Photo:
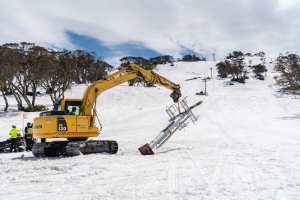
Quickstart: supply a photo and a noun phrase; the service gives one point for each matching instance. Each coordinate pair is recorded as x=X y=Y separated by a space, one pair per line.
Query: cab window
x=72 y=108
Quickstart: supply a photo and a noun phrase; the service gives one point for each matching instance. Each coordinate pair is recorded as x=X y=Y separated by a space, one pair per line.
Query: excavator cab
x=65 y=121
x=65 y=107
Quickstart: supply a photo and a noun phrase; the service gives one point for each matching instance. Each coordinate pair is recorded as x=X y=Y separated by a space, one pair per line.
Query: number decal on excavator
x=61 y=124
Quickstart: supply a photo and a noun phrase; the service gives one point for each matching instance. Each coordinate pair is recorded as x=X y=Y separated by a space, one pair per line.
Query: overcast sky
x=165 y=26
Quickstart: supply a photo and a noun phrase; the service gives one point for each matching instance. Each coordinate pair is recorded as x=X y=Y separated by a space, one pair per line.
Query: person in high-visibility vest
x=14 y=133
x=28 y=137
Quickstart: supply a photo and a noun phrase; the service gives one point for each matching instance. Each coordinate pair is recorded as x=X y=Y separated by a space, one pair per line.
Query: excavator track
x=67 y=148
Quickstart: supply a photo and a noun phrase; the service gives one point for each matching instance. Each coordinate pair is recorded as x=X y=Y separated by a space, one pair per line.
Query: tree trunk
x=22 y=92
x=28 y=102
x=33 y=94
x=5 y=100
x=19 y=100
x=52 y=97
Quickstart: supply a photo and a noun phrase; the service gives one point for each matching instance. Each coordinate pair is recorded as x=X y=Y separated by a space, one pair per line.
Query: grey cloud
x=163 y=25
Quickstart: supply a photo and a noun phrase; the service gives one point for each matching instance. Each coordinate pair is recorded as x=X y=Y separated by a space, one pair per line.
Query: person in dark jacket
x=28 y=137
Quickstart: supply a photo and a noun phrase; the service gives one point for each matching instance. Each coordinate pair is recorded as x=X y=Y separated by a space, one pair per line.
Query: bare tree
x=288 y=66
x=87 y=67
x=22 y=71
x=37 y=57
x=233 y=66
x=3 y=74
x=25 y=67
x=8 y=63
x=58 y=74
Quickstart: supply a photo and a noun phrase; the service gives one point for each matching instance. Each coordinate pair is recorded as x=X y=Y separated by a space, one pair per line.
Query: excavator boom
x=125 y=74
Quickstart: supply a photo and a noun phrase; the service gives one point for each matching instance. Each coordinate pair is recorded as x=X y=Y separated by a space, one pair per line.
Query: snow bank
x=246 y=145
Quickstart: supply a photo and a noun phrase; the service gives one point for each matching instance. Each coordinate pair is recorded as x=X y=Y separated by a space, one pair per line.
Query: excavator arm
x=158 y=80
x=126 y=73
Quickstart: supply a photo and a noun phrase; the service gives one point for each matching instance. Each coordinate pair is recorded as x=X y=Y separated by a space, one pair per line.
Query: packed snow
x=245 y=145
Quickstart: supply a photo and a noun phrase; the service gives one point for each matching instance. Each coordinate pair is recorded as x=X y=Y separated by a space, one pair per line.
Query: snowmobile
x=5 y=145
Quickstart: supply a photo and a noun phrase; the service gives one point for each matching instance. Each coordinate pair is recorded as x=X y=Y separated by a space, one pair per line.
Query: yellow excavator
x=73 y=120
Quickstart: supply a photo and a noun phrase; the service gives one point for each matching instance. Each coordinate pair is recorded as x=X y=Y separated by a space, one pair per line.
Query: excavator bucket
x=179 y=115
x=146 y=150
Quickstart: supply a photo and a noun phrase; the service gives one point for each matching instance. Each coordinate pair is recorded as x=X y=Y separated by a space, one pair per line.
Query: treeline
x=238 y=65
x=148 y=63
x=164 y=59
x=237 y=68
x=151 y=64
x=145 y=63
x=25 y=68
x=192 y=58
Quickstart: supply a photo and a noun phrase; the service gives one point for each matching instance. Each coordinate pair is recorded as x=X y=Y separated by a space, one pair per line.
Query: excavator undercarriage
x=70 y=148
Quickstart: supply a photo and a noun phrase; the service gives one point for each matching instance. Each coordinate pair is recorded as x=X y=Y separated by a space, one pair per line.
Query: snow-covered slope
x=246 y=145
